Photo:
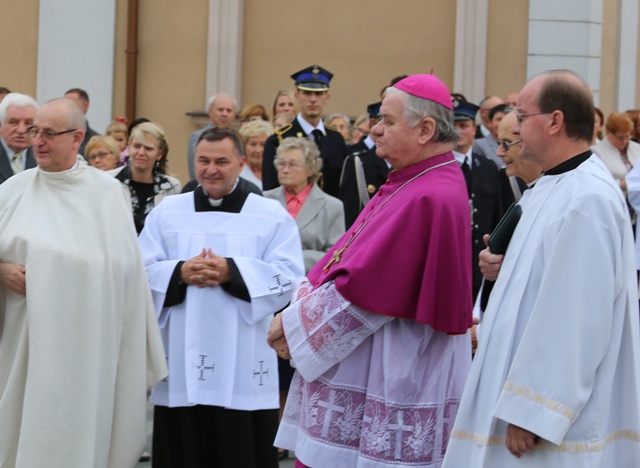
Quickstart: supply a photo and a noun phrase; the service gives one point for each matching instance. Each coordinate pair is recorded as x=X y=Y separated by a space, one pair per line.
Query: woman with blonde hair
x=285 y=101
x=102 y=153
x=254 y=135
x=145 y=180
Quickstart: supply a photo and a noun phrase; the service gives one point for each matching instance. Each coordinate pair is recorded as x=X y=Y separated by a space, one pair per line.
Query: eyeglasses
x=292 y=165
x=507 y=144
x=520 y=117
x=48 y=134
x=100 y=155
x=622 y=138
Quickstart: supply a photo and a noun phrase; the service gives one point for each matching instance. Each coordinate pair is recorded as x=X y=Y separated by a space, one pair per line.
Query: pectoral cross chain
x=335 y=259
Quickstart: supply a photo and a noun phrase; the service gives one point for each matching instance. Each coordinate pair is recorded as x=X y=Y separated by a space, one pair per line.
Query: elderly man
x=516 y=174
x=377 y=330
x=221 y=261
x=312 y=95
x=80 y=345
x=555 y=381
x=222 y=109
x=363 y=172
x=488 y=146
x=81 y=98
x=488 y=103
x=17 y=112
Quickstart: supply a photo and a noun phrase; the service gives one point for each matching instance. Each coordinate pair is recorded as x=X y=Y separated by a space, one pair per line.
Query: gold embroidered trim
x=540 y=400
x=572 y=447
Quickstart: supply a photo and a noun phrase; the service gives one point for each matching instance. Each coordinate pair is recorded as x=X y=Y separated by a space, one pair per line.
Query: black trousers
x=211 y=436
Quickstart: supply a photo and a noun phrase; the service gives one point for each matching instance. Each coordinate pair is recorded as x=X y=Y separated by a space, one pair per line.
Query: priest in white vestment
x=221 y=261
x=556 y=378
x=79 y=345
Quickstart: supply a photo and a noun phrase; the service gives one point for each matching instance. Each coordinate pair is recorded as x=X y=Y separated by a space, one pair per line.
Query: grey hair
x=213 y=98
x=16 y=100
x=360 y=119
x=310 y=155
x=337 y=115
x=255 y=128
x=416 y=109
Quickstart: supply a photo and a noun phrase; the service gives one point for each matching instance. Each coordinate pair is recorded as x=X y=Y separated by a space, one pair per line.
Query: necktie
x=466 y=170
x=317 y=137
x=16 y=162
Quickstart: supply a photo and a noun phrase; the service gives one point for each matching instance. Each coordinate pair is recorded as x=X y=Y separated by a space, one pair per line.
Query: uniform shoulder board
x=282 y=130
x=330 y=127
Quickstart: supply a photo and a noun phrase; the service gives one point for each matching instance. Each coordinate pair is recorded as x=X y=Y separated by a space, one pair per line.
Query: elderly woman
x=320 y=217
x=254 y=134
x=341 y=124
x=102 y=153
x=360 y=129
x=144 y=180
x=617 y=150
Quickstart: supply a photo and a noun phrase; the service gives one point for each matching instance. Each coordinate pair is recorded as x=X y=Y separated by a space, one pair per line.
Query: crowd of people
x=432 y=283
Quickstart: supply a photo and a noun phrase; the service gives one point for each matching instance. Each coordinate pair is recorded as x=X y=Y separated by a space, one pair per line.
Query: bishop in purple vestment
x=377 y=331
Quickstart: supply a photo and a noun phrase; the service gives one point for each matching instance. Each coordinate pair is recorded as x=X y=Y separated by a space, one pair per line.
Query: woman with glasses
x=102 y=153
x=145 y=180
x=616 y=150
x=320 y=217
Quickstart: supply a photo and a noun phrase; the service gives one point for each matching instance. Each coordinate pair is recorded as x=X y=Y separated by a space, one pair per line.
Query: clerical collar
x=569 y=164
x=308 y=128
x=231 y=203
x=533 y=182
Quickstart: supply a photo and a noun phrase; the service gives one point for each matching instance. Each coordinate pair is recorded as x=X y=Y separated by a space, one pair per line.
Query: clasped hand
x=205 y=269
x=13 y=277
x=276 y=338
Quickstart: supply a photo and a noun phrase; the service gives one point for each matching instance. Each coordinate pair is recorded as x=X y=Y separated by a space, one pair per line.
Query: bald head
x=60 y=124
x=556 y=118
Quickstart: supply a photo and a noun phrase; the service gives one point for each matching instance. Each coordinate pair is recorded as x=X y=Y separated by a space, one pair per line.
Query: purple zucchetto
x=427 y=87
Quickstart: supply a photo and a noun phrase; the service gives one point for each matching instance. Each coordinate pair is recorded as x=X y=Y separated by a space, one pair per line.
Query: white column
x=224 y=54
x=566 y=34
x=628 y=56
x=76 y=50
x=469 y=77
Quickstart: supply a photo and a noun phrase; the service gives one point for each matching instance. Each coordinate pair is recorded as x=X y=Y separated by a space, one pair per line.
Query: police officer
x=483 y=185
x=312 y=95
x=363 y=173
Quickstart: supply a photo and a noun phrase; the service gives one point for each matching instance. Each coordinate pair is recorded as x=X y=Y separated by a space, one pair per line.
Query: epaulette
x=331 y=127
x=282 y=130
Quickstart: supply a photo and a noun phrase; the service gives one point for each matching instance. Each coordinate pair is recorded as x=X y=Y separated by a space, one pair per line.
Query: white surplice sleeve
x=322 y=328
x=569 y=331
x=271 y=277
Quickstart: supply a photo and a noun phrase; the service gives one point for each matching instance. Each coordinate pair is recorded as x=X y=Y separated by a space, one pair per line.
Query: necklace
x=337 y=254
